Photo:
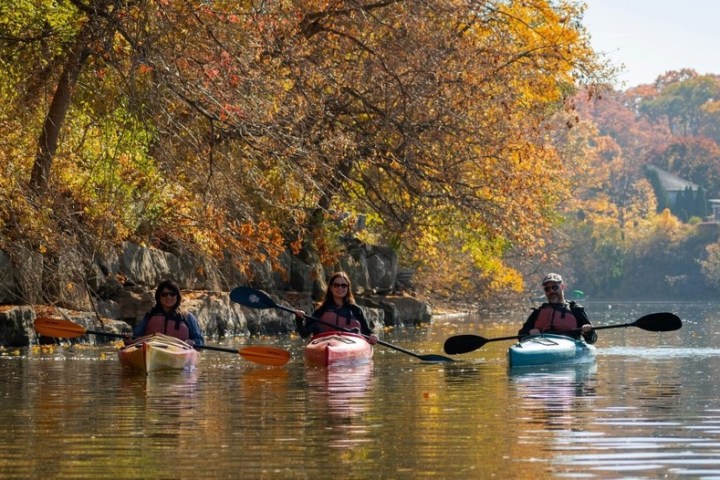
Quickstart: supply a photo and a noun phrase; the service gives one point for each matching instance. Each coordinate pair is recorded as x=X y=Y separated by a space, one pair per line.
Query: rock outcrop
x=115 y=289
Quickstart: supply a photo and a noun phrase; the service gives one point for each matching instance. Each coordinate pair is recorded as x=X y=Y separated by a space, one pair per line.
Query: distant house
x=715 y=205
x=684 y=198
x=672 y=184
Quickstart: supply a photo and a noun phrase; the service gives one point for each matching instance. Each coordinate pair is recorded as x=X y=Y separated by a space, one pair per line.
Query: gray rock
x=119 y=288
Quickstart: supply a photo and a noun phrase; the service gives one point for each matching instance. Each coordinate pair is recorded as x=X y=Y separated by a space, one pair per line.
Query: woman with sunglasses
x=167 y=317
x=337 y=308
x=557 y=315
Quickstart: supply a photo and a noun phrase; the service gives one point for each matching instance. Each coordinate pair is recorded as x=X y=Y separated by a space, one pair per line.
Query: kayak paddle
x=265 y=355
x=253 y=298
x=653 y=322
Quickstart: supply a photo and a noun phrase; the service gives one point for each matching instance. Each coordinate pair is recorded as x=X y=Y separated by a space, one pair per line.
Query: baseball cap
x=552 y=277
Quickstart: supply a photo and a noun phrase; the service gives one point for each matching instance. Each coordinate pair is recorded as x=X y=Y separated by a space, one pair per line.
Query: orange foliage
x=260 y=125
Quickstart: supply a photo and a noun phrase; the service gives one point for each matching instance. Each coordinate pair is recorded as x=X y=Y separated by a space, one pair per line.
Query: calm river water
x=648 y=409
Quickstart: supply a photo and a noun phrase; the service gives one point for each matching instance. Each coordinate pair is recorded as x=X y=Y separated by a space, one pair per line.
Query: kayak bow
x=548 y=349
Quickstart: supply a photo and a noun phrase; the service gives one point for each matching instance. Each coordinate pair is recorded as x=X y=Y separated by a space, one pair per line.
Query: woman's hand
x=534 y=331
x=299 y=314
x=587 y=328
x=372 y=339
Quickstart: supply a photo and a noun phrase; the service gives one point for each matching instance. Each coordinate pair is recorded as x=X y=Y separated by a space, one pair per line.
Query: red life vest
x=333 y=317
x=551 y=320
x=174 y=326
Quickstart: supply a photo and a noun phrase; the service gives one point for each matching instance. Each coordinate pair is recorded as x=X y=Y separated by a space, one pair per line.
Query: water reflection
x=649 y=408
x=661 y=395
x=343 y=390
x=338 y=401
x=259 y=381
x=552 y=396
x=661 y=353
x=159 y=408
x=459 y=373
x=644 y=427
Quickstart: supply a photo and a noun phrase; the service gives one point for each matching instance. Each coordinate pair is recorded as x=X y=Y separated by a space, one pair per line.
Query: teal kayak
x=548 y=349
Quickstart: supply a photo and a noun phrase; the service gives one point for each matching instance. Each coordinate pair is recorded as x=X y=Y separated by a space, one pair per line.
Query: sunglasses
x=168 y=294
x=340 y=285
x=551 y=288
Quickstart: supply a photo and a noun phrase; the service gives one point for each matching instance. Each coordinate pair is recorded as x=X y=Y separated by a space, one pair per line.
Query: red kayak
x=338 y=348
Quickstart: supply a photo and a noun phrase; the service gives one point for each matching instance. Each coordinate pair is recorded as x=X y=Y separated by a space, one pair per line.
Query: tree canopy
x=256 y=127
x=624 y=230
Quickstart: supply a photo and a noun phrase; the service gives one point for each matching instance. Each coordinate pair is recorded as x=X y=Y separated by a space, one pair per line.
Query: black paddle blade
x=463 y=344
x=658 y=322
x=251 y=297
x=432 y=358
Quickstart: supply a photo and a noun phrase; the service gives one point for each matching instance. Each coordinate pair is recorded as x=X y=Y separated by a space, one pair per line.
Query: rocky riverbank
x=111 y=292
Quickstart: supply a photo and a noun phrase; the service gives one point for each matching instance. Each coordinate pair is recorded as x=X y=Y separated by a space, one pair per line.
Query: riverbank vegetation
x=479 y=140
x=625 y=233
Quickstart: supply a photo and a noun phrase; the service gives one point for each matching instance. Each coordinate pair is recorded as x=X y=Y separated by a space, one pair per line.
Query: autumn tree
x=615 y=114
x=442 y=110
x=682 y=103
x=612 y=202
x=130 y=136
x=694 y=158
x=711 y=265
x=252 y=127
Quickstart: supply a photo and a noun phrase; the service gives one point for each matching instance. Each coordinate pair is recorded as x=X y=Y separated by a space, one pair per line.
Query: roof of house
x=671 y=182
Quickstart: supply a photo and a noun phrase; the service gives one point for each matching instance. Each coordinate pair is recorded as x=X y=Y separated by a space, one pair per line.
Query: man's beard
x=554 y=298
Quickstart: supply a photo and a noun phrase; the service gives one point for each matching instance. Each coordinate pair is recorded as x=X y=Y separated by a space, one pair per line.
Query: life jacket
x=551 y=319
x=342 y=317
x=170 y=324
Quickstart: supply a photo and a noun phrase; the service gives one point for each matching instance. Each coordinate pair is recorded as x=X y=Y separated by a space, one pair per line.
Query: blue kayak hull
x=550 y=349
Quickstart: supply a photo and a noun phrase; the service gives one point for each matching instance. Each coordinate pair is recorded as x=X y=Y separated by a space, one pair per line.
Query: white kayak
x=156 y=352
x=548 y=349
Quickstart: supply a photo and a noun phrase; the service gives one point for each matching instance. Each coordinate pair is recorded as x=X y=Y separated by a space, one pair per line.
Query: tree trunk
x=331 y=188
x=317 y=217
x=48 y=140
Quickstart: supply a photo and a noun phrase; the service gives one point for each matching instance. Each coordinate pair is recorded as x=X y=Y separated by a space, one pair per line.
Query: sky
x=650 y=37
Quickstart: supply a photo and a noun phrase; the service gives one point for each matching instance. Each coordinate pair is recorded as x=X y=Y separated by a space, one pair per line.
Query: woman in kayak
x=557 y=315
x=167 y=317
x=338 y=308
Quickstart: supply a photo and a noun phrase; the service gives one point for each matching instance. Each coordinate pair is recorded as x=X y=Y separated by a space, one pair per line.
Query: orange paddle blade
x=265 y=355
x=52 y=327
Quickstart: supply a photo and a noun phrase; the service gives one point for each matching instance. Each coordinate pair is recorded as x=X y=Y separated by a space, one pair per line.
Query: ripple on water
x=662 y=353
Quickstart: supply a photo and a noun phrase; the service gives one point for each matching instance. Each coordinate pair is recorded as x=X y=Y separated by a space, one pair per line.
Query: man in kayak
x=558 y=315
x=338 y=308
x=167 y=317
